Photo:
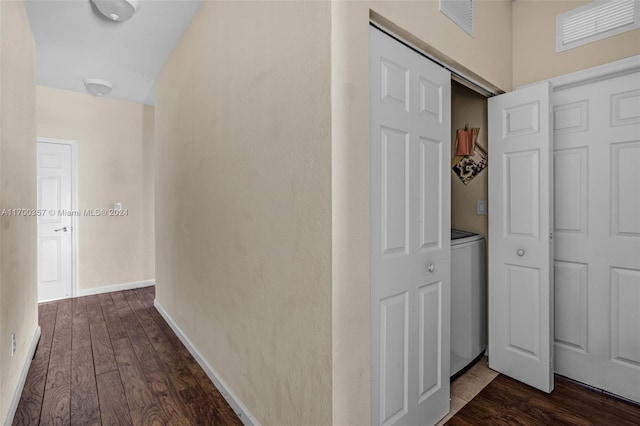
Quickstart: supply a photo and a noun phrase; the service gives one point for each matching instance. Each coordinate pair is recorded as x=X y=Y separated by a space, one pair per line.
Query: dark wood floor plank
x=168 y=397
x=114 y=409
x=111 y=317
x=30 y=405
x=151 y=415
x=103 y=354
x=61 y=343
x=87 y=368
x=94 y=310
x=506 y=401
x=203 y=414
x=139 y=308
x=136 y=389
x=28 y=411
x=574 y=397
x=85 y=408
x=189 y=375
x=209 y=409
x=80 y=335
x=146 y=295
x=175 y=360
x=137 y=336
x=173 y=355
x=119 y=300
x=164 y=326
x=56 y=403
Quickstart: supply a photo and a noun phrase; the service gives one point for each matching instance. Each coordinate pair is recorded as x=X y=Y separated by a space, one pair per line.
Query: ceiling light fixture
x=117 y=10
x=98 y=87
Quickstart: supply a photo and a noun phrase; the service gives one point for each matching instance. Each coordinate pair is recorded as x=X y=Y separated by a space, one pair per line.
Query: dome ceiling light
x=117 y=10
x=98 y=87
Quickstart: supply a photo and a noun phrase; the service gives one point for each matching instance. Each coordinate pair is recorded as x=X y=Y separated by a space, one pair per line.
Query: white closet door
x=597 y=244
x=520 y=248
x=410 y=102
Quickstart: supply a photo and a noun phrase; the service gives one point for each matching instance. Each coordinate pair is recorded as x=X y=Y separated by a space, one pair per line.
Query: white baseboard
x=240 y=409
x=23 y=378
x=115 y=287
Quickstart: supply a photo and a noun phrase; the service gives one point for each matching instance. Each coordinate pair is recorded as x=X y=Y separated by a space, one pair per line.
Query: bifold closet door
x=410 y=103
x=597 y=234
x=520 y=245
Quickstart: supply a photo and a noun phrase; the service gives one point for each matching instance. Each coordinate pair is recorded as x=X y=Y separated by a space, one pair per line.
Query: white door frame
x=589 y=75
x=75 y=289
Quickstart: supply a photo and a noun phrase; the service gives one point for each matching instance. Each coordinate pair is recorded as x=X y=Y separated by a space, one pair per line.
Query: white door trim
x=589 y=75
x=467 y=78
x=75 y=286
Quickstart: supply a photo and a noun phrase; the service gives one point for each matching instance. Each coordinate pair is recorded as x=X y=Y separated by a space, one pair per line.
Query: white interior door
x=597 y=234
x=410 y=102
x=520 y=224
x=54 y=227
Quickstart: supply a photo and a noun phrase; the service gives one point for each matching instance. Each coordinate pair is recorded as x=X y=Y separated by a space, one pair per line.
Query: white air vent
x=460 y=12
x=595 y=21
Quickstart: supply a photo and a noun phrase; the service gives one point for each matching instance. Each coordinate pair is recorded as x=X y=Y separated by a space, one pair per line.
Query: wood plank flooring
x=508 y=402
x=111 y=359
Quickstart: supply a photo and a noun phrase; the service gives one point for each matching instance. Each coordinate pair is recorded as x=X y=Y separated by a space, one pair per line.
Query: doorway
x=57 y=218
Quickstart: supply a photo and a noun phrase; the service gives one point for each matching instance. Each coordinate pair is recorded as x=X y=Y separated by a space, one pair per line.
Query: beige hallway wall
x=18 y=291
x=534 y=43
x=115 y=144
x=243 y=206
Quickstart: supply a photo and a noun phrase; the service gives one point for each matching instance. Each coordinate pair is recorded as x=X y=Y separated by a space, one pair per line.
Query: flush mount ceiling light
x=98 y=87
x=117 y=10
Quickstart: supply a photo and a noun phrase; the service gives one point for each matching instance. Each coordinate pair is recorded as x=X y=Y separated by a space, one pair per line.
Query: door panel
x=430 y=344
x=625 y=316
x=54 y=226
x=430 y=185
x=395 y=182
x=520 y=200
x=523 y=319
x=571 y=311
x=597 y=235
x=625 y=192
x=570 y=194
x=522 y=194
x=410 y=238
x=394 y=352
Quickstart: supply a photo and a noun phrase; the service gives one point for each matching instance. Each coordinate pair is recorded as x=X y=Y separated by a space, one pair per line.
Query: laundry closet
x=562 y=219
x=469 y=227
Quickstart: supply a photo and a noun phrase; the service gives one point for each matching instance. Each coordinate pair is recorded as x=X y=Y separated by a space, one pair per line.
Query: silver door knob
x=63 y=229
x=520 y=252
x=431 y=268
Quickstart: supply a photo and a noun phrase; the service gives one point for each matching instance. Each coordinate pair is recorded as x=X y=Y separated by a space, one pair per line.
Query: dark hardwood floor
x=111 y=359
x=508 y=402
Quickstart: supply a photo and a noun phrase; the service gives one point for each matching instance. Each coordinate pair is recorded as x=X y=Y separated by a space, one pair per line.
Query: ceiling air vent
x=595 y=21
x=460 y=12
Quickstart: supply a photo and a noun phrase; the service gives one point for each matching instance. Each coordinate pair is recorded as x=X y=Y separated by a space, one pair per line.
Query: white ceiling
x=74 y=42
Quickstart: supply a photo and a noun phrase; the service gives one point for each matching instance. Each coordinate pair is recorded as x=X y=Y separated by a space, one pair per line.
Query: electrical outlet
x=13 y=343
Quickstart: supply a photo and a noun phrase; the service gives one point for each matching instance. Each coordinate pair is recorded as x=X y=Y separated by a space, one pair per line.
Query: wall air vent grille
x=595 y=21
x=461 y=12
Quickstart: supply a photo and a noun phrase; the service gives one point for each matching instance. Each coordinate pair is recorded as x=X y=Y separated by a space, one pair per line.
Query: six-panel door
x=410 y=234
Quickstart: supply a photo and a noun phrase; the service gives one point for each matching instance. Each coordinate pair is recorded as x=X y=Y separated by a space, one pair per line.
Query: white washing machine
x=468 y=299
